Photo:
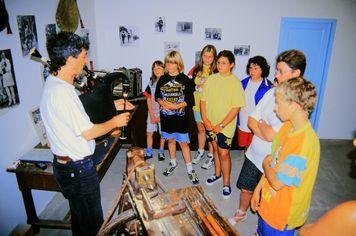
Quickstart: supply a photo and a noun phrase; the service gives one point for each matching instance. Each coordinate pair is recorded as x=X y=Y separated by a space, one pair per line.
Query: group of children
x=281 y=148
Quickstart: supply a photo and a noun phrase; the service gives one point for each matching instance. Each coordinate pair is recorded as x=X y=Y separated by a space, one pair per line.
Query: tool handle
x=205 y=221
x=215 y=225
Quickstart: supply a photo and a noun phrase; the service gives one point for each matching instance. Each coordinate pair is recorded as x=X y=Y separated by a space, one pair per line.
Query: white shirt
x=65 y=119
x=264 y=110
x=245 y=111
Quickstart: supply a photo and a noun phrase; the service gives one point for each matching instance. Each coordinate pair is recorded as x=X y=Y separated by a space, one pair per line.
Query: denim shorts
x=179 y=137
x=197 y=116
x=153 y=127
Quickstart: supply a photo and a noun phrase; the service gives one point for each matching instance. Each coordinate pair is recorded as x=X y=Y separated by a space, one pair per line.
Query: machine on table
x=144 y=210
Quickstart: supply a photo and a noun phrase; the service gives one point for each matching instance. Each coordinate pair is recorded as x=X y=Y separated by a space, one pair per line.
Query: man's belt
x=62 y=159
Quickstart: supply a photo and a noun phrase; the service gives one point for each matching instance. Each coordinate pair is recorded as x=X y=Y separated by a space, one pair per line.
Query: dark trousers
x=79 y=183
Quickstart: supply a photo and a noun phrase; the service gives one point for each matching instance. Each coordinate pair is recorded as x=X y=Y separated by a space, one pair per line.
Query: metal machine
x=144 y=207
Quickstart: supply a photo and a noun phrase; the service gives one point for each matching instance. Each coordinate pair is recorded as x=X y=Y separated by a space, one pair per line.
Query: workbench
x=31 y=177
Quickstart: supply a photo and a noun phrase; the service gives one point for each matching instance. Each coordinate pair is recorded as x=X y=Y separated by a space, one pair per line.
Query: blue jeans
x=79 y=183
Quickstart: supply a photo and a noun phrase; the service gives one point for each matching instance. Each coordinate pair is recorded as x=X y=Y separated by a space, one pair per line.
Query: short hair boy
x=290 y=171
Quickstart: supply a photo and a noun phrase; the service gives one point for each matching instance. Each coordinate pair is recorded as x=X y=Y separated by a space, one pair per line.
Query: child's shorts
x=179 y=137
x=244 y=138
x=153 y=127
x=266 y=230
x=197 y=116
x=249 y=176
x=222 y=141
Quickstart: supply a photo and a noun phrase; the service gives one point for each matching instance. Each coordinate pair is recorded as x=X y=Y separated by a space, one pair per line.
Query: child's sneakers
x=208 y=163
x=148 y=157
x=161 y=156
x=193 y=177
x=212 y=180
x=169 y=170
x=238 y=217
x=226 y=192
x=198 y=156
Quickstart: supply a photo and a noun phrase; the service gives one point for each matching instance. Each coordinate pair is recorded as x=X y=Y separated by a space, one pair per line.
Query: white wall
x=243 y=22
x=17 y=135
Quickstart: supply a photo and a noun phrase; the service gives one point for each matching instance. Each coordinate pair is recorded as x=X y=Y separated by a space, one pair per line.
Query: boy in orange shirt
x=282 y=197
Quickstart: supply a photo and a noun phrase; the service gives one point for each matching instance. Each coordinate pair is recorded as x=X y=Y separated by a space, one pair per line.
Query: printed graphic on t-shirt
x=173 y=92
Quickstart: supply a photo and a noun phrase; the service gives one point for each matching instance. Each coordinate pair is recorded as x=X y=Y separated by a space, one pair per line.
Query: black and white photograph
x=84 y=33
x=171 y=46
x=197 y=57
x=35 y=116
x=184 y=27
x=160 y=24
x=8 y=89
x=50 y=29
x=27 y=32
x=45 y=73
x=128 y=36
x=213 y=33
x=242 y=50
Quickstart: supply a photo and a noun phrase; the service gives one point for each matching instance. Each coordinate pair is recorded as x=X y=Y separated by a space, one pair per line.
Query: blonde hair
x=175 y=57
x=299 y=90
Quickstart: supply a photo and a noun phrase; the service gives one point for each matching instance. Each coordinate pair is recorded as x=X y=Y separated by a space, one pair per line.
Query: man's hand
x=122 y=119
x=119 y=105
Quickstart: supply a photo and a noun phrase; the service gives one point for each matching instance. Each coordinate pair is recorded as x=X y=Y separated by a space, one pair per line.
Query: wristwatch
x=221 y=125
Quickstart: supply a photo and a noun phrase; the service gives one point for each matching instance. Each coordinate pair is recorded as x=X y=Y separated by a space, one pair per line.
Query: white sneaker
x=198 y=156
x=208 y=163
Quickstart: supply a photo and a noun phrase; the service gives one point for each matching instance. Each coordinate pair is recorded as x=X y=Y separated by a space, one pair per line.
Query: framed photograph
x=242 y=50
x=50 y=29
x=45 y=73
x=28 y=33
x=8 y=89
x=84 y=33
x=213 y=33
x=184 y=27
x=129 y=36
x=35 y=116
x=171 y=46
x=160 y=24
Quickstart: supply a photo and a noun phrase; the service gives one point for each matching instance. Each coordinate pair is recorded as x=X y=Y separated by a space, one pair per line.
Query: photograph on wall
x=129 y=36
x=213 y=33
x=160 y=24
x=27 y=32
x=197 y=57
x=51 y=29
x=8 y=89
x=35 y=116
x=184 y=27
x=171 y=46
x=84 y=33
x=45 y=73
x=242 y=50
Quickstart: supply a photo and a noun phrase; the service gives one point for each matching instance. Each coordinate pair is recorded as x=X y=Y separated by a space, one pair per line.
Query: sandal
x=238 y=217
